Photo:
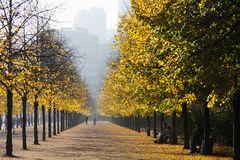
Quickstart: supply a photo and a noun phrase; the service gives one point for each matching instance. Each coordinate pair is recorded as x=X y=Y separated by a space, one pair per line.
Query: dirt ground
x=105 y=141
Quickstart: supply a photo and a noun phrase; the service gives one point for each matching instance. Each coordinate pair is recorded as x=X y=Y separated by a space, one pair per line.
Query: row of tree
x=37 y=68
x=173 y=54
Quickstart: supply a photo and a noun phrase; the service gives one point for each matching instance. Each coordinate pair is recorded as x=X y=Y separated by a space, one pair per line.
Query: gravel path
x=105 y=141
x=86 y=142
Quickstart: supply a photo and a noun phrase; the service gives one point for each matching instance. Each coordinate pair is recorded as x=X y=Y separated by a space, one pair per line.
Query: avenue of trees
x=175 y=57
x=37 y=70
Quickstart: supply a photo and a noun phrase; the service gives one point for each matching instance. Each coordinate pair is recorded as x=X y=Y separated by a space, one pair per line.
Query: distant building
x=94 y=20
x=90 y=39
x=92 y=66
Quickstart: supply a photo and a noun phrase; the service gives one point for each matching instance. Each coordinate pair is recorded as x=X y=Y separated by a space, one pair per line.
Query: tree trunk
x=63 y=120
x=162 y=122
x=0 y=122
x=69 y=120
x=185 y=125
x=72 y=123
x=155 y=124
x=236 y=126
x=58 y=131
x=148 y=126
x=49 y=123
x=9 y=145
x=66 y=118
x=138 y=124
x=36 y=122
x=129 y=122
x=133 y=123
x=174 y=135
x=54 y=121
x=24 y=122
x=43 y=123
x=206 y=146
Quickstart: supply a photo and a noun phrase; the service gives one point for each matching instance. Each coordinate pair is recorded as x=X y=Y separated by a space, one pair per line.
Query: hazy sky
x=71 y=7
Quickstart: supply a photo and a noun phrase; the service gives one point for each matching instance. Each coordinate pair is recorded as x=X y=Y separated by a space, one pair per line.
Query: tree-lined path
x=105 y=141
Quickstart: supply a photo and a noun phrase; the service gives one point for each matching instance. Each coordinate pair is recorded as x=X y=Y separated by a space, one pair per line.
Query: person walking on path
x=86 y=120
x=94 y=121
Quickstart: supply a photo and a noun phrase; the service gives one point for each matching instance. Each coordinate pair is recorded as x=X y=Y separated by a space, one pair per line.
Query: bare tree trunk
x=70 y=119
x=138 y=124
x=206 y=146
x=63 y=116
x=135 y=123
x=161 y=122
x=155 y=124
x=49 y=123
x=9 y=145
x=36 y=122
x=236 y=126
x=185 y=125
x=66 y=118
x=24 y=122
x=73 y=120
x=148 y=126
x=54 y=121
x=0 y=122
x=58 y=131
x=61 y=120
x=174 y=135
x=43 y=123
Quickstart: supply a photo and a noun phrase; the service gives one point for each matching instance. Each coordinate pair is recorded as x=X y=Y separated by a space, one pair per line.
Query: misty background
x=88 y=26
